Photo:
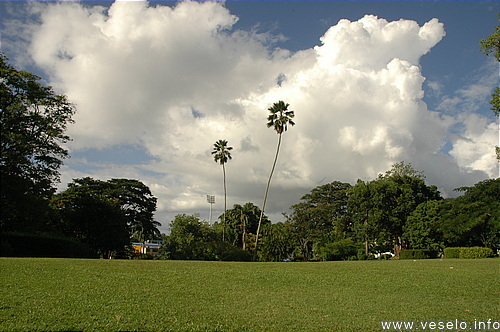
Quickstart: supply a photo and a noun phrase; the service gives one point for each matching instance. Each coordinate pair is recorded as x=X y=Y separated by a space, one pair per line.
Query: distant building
x=150 y=247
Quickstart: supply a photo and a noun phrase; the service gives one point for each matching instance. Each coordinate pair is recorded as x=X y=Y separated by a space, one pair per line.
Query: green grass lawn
x=111 y=295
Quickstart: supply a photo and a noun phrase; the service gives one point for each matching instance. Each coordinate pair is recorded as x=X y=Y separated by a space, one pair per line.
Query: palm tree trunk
x=225 y=205
x=244 y=236
x=265 y=199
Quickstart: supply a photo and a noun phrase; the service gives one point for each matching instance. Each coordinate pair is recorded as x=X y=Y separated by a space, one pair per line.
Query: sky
x=372 y=83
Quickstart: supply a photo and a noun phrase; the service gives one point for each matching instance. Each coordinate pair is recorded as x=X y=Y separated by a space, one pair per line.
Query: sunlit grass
x=111 y=295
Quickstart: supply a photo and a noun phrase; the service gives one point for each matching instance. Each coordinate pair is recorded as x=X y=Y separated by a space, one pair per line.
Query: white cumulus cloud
x=173 y=80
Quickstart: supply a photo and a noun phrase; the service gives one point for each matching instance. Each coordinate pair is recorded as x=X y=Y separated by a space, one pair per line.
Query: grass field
x=112 y=295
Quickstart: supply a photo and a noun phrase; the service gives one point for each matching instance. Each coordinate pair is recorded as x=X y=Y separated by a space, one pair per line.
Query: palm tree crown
x=280 y=117
x=221 y=152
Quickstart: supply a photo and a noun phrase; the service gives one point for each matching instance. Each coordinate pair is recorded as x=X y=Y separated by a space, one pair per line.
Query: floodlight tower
x=210 y=200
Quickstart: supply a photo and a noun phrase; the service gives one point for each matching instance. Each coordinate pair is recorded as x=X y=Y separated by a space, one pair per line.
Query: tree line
x=335 y=221
x=340 y=221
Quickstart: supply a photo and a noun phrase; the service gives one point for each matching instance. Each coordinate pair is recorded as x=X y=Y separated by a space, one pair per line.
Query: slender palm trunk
x=244 y=236
x=265 y=199
x=225 y=205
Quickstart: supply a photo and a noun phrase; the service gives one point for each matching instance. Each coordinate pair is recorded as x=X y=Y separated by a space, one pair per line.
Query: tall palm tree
x=279 y=118
x=222 y=155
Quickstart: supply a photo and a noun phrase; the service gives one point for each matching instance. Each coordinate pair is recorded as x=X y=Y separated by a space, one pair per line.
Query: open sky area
x=372 y=83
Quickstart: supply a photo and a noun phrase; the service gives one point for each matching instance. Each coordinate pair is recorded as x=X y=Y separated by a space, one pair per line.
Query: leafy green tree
x=491 y=44
x=189 y=239
x=135 y=199
x=139 y=205
x=93 y=219
x=279 y=118
x=473 y=219
x=222 y=154
x=33 y=121
x=369 y=208
x=361 y=208
x=131 y=200
x=390 y=200
x=329 y=204
x=423 y=228
x=404 y=193
x=321 y=217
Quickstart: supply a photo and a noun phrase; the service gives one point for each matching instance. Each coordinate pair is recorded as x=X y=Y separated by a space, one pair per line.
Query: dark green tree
x=390 y=200
x=361 y=209
x=423 y=229
x=139 y=206
x=222 y=155
x=321 y=217
x=189 y=239
x=33 y=121
x=279 y=118
x=134 y=201
x=403 y=194
x=491 y=44
x=473 y=219
x=93 y=219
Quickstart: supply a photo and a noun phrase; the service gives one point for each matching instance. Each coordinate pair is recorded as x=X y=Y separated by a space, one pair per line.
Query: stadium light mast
x=210 y=200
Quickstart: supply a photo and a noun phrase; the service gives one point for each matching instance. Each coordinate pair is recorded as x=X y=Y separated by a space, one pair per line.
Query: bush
x=476 y=252
x=468 y=252
x=233 y=254
x=340 y=250
x=417 y=254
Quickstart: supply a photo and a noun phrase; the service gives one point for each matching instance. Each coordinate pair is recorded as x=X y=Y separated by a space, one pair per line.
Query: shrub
x=476 y=252
x=340 y=250
x=234 y=254
x=452 y=252
x=223 y=251
x=417 y=254
x=468 y=252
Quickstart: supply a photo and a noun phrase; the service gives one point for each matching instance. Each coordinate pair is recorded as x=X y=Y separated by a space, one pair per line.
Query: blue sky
x=452 y=62
x=156 y=84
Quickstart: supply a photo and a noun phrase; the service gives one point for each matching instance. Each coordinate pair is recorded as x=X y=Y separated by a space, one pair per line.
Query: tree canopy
x=106 y=215
x=381 y=207
x=33 y=121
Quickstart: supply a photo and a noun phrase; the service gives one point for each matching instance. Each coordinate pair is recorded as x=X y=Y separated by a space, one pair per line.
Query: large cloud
x=173 y=80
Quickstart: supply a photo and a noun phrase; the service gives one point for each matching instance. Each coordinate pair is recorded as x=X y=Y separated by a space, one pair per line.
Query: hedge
x=452 y=252
x=41 y=245
x=468 y=252
x=417 y=254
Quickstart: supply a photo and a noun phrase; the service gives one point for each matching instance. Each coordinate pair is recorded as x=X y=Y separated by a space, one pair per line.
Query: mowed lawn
x=113 y=295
